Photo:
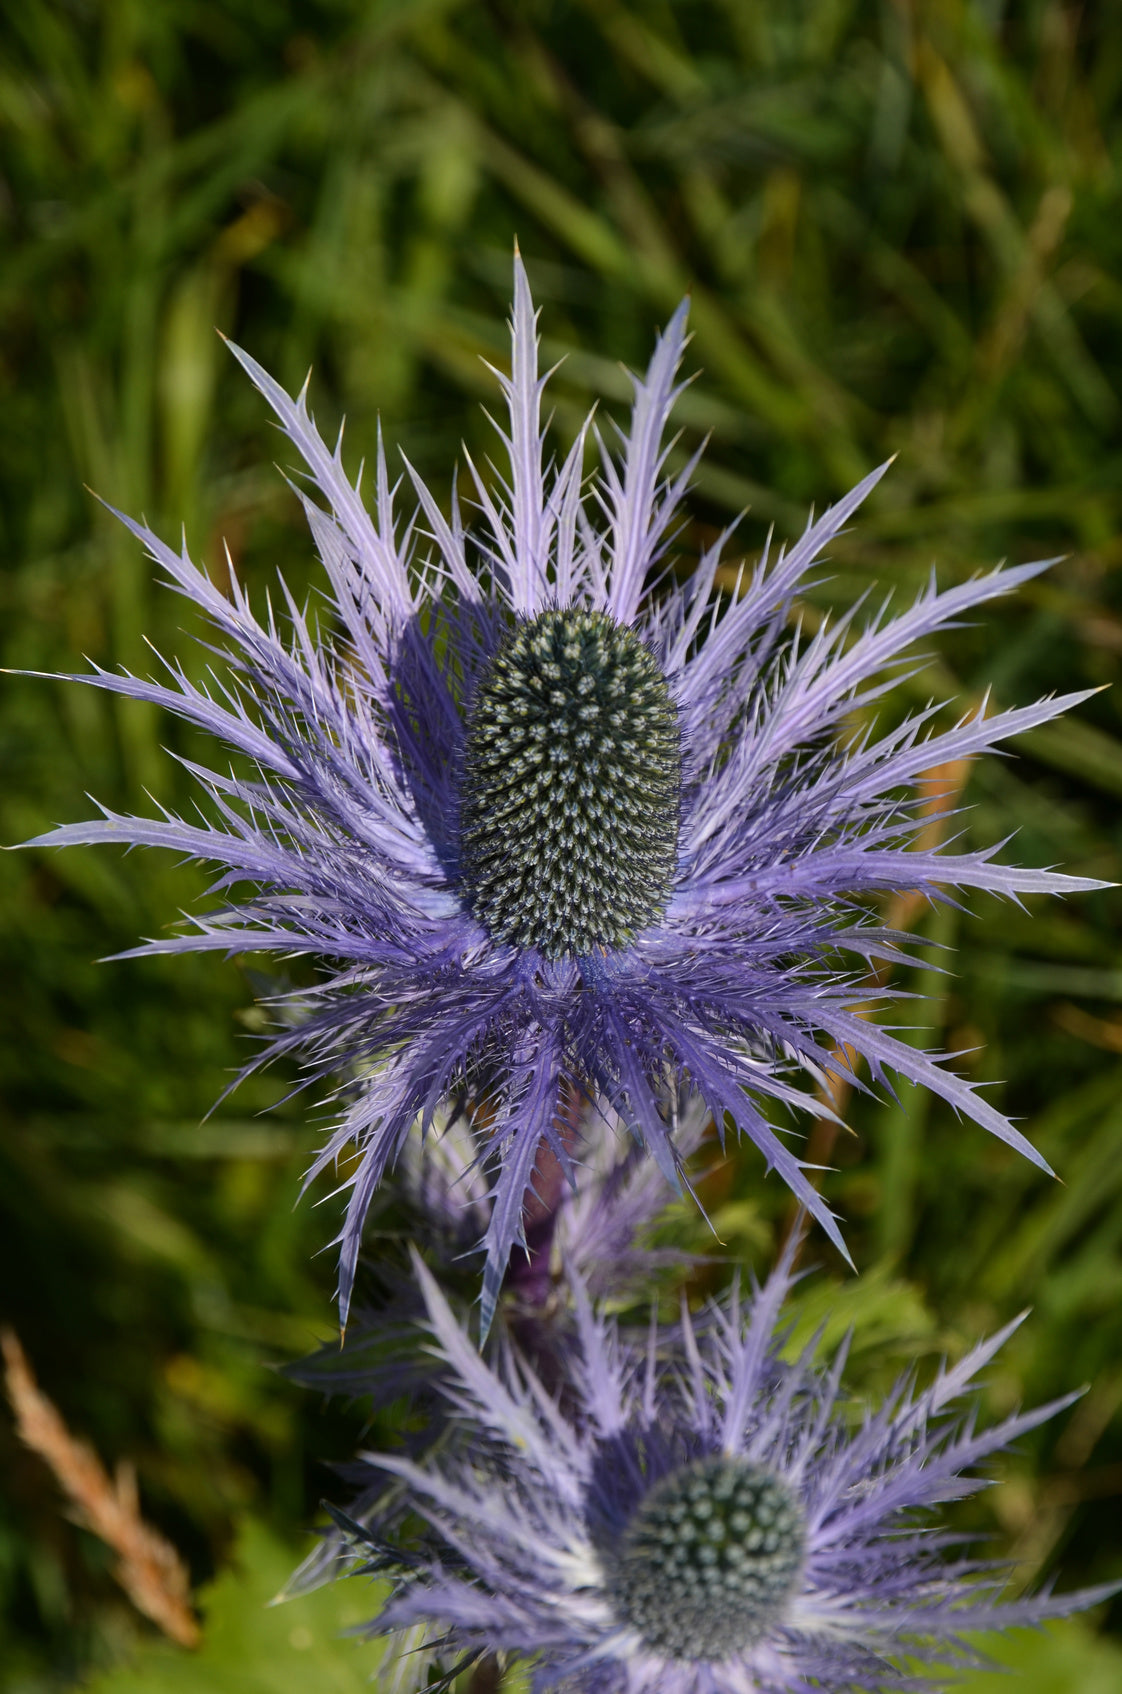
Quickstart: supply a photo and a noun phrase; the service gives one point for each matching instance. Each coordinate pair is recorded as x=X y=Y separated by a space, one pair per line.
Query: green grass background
x=901 y=227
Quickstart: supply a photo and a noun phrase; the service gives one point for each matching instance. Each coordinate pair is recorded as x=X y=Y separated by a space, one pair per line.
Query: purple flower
x=711 y=1521
x=551 y=819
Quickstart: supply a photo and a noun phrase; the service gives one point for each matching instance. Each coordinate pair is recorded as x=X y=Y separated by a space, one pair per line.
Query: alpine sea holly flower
x=550 y=823
x=709 y=1521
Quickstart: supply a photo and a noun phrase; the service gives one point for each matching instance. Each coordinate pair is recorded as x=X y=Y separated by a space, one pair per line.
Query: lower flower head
x=708 y=1561
x=699 y=1517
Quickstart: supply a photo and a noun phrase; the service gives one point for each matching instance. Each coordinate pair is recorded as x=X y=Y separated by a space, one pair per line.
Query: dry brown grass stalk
x=149 y=1569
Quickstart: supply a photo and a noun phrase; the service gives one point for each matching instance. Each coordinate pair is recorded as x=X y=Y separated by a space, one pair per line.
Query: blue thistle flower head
x=550 y=822
x=704 y=1519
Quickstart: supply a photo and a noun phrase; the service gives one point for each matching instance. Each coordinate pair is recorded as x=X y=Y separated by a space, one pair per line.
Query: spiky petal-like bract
x=705 y=1522
x=696 y=874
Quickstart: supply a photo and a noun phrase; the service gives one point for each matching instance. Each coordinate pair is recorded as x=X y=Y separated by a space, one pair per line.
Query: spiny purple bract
x=713 y=917
x=701 y=1516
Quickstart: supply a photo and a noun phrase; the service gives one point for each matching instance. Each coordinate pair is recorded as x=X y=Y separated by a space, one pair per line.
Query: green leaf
x=252 y=1645
x=1064 y=1658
